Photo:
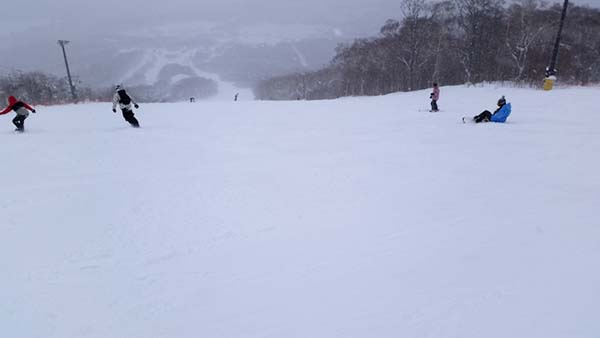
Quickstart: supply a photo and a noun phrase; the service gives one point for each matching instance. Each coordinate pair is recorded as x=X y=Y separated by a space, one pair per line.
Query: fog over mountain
x=132 y=41
x=145 y=42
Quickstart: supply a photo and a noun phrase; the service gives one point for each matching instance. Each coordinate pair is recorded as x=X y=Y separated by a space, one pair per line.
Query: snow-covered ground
x=358 y=217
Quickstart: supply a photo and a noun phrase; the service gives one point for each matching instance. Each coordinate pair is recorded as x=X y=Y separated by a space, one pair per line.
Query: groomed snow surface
x=358 y=217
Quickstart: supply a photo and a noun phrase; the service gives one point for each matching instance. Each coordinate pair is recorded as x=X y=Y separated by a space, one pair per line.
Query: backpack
x=123 y=97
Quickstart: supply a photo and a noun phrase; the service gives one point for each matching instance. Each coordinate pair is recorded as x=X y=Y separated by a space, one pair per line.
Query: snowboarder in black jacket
x=125 y=101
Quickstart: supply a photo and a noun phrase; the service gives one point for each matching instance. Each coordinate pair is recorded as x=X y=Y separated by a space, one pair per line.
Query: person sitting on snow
x=21 y=108
x=500 y=115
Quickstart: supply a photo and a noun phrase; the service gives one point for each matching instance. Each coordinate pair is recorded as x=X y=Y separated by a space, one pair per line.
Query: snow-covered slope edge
x=359 y=217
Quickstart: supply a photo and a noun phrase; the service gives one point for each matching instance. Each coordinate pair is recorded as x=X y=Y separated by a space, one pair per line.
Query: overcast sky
x=60 y=16
x=114 y=15
x=33 y=26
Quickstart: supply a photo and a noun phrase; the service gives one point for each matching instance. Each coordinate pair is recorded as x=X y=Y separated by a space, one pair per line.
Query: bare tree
x=452 y=42
x=480 y=21
x=415 y=39
x=522 y=33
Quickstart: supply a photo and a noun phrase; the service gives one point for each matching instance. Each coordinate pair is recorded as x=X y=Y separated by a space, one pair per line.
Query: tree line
x=41 y=88
x=454 y=42
x=47 y=89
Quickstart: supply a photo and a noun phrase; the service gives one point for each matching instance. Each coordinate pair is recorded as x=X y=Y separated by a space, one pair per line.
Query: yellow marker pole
x=549 y=82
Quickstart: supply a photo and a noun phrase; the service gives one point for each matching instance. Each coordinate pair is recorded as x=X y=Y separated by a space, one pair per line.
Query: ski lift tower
x=62 y=44
x=550 y=73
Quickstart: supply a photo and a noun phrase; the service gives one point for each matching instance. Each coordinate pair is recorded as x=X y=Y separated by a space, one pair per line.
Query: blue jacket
x=502 y=114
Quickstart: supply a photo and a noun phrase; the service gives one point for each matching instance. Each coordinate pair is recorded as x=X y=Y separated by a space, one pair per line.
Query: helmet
x=501 y=101
x=117 y=87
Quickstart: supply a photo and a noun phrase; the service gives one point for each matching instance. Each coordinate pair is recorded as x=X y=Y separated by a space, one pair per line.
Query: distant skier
x=124 y=100
x=235 y=98
x=21 y=108
x=435 y=96
x=500 y=115
x=192 y=99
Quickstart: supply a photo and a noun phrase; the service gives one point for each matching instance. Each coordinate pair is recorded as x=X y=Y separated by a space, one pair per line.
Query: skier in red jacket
x=21 y=108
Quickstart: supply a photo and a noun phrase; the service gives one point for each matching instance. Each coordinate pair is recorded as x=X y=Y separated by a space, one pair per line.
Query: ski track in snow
x=357 y=217
x=301 y=57
x=155 y=60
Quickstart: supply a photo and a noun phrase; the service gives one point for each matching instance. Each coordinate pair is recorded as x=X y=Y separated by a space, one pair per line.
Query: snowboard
x=468 y=119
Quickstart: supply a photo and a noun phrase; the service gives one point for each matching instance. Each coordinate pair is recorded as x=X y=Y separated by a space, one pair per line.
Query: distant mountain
x=175 y=54
x=241 y=63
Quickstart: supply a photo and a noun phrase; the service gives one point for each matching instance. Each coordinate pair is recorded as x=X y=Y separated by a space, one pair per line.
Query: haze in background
x=218 y=29
x=132 y=41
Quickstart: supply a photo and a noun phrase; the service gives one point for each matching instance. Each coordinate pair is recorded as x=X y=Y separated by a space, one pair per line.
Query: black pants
x=19 y=121
x=434 y=106
x=129 y=117
x=485 y=116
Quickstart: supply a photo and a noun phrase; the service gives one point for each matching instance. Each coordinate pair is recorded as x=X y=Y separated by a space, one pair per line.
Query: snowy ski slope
x=357 y=217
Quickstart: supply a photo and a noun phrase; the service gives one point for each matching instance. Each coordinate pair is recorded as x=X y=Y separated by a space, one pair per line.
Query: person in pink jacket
x=435 y=96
